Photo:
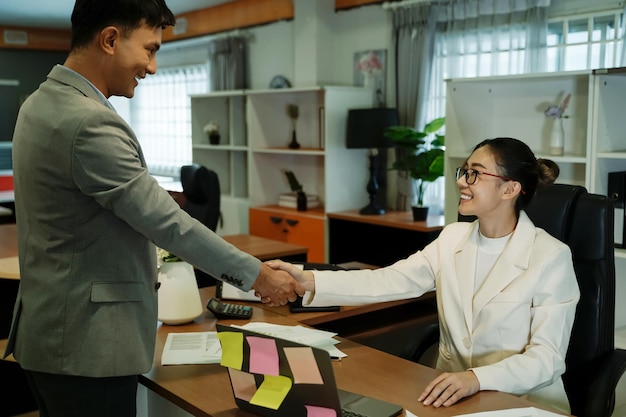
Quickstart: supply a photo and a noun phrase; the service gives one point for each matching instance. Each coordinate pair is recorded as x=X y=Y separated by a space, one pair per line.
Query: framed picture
x=370 y=69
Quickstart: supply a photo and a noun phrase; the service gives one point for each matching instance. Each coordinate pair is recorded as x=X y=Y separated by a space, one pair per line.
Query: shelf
x=287 y=151
x=221 y=148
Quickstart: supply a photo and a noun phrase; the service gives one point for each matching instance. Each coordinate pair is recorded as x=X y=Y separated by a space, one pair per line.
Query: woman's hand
x=305 y=278
x=448 y=388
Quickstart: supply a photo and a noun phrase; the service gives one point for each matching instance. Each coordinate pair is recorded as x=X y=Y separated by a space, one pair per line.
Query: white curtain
x=460 y=38
x=491 y=37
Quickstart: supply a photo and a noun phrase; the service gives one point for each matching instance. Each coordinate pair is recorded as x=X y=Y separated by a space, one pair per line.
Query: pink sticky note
x=303 y=366
x=263 y=355
x=315 y=411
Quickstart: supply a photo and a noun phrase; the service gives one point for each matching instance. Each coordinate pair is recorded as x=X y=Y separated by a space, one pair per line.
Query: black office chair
x=201 y=191
x=585 y=222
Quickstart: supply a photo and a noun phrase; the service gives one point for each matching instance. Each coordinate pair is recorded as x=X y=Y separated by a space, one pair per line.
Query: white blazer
x=513 y=332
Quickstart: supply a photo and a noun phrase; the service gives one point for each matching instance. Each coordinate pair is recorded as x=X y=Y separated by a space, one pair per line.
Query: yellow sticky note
x=272 y=391
x=232 y=349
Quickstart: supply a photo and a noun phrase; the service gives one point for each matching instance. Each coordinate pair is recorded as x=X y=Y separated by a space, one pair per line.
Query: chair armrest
x=605 y=373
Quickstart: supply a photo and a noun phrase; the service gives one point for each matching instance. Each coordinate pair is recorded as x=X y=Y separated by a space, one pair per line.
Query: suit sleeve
x=108 y=165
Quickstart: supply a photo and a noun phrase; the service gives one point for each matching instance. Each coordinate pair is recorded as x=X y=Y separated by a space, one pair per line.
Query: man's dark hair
x=89 y=17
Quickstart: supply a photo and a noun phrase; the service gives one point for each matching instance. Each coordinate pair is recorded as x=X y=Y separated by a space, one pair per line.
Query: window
x=580 y=42
x=584 y=42
x=160 y=114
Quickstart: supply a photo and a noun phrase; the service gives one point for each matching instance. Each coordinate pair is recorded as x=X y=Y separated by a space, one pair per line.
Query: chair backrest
x=201 y=188
x=584 y=222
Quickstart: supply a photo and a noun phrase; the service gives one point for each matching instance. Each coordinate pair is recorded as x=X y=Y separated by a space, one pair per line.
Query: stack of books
x=291 y=200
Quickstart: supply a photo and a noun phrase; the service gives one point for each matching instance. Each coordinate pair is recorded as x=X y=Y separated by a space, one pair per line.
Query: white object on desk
x=179 y=298
x=512 y=412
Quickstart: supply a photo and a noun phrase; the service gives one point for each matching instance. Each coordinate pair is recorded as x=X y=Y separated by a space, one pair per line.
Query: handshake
x=280 y=282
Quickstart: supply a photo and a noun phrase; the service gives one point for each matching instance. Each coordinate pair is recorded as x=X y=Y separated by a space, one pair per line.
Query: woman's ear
x=513 y=189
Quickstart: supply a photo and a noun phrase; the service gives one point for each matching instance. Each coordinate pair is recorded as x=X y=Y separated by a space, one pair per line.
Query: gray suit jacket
x=88 y=214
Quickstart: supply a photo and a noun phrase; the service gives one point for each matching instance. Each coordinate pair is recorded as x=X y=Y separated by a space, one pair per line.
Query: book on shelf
x=293 y=197
x=290 y=200
x=294 y=204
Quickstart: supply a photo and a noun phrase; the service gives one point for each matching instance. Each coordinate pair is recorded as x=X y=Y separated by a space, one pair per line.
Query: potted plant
x=212 y=129
x=422 y=160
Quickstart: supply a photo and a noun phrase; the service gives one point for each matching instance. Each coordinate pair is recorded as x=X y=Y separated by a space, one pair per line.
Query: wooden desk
x=259 y=247
x=204 y=390
x=378 y=239
x=267 y=249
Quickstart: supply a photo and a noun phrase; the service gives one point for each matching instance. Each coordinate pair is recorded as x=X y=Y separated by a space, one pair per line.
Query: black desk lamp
x=365 y=129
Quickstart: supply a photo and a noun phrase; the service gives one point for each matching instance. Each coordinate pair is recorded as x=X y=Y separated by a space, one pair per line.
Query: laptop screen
x=274 y=377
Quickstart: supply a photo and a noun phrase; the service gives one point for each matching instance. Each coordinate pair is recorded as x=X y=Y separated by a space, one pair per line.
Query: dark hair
x=515 y=160
x=91 y=16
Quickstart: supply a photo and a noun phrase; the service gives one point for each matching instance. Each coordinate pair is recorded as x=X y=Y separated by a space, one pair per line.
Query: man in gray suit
x=89 y=216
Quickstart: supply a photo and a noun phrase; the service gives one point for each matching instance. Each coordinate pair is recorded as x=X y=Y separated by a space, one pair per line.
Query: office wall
x=30 y=69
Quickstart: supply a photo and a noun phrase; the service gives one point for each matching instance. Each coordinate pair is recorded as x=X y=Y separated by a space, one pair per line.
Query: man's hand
x=276 y=287
x=306 y=278
x=448 y=388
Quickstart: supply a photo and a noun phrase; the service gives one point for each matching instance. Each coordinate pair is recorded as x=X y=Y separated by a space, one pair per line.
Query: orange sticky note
x=303 y=366
x=272 y=392
x=263 y=355
x=232 y=349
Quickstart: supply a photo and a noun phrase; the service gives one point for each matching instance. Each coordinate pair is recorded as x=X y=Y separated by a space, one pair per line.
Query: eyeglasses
x=471 y=175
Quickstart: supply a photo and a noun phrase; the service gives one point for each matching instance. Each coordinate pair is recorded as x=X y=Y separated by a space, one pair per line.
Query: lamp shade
x=365 y=127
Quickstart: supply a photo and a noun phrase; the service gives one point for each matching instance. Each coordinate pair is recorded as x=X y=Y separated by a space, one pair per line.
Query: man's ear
x=108 y=36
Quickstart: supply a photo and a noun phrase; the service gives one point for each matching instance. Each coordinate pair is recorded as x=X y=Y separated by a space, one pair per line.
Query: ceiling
x=56 y=13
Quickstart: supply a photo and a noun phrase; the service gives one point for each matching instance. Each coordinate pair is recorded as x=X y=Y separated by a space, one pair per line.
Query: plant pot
x=419 y=213
x=214 y=139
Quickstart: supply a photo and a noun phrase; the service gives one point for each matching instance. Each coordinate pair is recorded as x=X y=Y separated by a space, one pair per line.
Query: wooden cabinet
x=291 y=226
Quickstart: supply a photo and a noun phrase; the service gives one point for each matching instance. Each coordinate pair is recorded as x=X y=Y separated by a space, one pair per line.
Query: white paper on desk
x=191 y=348
x=299 y=334
x=512 y=412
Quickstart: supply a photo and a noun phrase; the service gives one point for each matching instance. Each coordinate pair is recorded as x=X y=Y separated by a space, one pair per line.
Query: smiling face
x=132 y=57
x=489 y=196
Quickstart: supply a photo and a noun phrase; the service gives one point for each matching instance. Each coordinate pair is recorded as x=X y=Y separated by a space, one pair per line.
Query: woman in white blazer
x=506 y=290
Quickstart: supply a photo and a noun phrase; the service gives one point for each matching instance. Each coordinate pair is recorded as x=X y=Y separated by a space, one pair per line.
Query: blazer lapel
x=512 y=262
x=465 y=265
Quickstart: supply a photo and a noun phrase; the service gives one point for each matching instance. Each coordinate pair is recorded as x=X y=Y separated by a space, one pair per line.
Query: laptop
x=273 y=377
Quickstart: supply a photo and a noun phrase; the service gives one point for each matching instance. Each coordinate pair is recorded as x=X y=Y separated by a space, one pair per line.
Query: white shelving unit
x=322 y=158
x=482 y=108
x=253 y=155
x=513 y=106
x=229 y=159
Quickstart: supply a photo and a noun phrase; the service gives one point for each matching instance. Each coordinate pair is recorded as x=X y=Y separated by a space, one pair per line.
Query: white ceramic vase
x=557 y=138
x=179 y=297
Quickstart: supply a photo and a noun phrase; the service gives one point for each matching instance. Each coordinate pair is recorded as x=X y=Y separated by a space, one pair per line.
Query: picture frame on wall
x=370 y=70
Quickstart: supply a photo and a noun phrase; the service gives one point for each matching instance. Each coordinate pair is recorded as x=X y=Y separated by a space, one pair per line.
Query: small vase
x=557 y=138
x=294 y=142
x=178 y=294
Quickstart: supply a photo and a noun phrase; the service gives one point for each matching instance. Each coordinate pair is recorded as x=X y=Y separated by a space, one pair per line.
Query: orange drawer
x=291 y=226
